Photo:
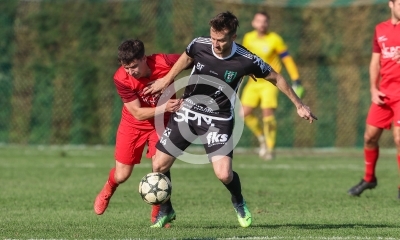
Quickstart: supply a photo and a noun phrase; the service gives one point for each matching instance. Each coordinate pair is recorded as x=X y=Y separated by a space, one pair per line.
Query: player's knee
x=156 y=167
x=121 y=177
x=224 y=176
x=370 y=139
x=122 y=174
x=162 y=162
x=159 y=166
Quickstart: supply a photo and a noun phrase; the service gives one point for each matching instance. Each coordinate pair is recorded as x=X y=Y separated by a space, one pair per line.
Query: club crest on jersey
x=229 y=76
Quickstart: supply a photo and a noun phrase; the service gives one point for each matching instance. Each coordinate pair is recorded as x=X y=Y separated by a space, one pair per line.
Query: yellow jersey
x=270 y=48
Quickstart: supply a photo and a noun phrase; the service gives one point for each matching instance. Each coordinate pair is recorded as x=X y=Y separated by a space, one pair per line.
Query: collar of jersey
x=230 y=55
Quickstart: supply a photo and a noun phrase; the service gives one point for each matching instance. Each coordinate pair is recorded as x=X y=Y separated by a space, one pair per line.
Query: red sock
x=370 y=157
x=111 y=179
x=154 y=212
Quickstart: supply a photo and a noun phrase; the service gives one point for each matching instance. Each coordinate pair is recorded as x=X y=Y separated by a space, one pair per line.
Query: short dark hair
x=130 y=50
x=225 y=21
x=264 y=13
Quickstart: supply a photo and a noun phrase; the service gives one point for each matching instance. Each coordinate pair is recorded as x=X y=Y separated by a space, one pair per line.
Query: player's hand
x=298 y=88
x=305 y=112
x=156 y=86
x=396 y=56
x=377 y=96
x=173 y=105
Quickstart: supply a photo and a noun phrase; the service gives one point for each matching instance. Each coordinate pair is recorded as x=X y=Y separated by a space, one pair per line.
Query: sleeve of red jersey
x=126 y=94
x=171 y=59
x=375 y=46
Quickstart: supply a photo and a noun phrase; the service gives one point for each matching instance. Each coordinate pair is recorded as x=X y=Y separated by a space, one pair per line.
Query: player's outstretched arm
x=159 y=85
x=279 y=81
x=144 y=113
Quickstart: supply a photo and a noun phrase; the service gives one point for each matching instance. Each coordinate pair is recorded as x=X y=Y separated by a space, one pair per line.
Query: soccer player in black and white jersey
x=207 y=111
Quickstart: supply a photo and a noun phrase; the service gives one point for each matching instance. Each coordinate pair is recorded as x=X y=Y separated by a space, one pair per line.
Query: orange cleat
x=102 y=200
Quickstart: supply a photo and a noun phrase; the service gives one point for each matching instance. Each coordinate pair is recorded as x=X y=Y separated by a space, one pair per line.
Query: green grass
x=48 y=192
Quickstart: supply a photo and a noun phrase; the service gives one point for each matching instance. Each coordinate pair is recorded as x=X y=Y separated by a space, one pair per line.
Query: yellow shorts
x=258 y=93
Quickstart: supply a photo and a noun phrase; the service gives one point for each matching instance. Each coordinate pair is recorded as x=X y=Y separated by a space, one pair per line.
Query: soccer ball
x=155 y=188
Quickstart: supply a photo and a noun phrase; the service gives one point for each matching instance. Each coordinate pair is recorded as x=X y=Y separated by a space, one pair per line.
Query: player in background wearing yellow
x=271 y=48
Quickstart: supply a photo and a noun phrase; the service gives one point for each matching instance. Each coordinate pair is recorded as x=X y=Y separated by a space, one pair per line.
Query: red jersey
x=130 y=88
x=387 y=42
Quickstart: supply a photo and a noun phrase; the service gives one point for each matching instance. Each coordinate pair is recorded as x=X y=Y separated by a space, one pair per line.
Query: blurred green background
x=57 y=60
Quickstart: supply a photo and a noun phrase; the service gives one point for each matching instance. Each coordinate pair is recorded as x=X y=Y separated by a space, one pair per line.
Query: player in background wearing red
x=137 y=127
x=384 y=111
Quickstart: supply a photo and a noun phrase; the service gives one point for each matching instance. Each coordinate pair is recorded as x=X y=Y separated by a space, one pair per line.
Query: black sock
x=168 y=174
x=167 y=206
x=235 y=189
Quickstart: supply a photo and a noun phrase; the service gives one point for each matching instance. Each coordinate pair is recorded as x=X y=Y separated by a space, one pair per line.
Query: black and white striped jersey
x=214 y=81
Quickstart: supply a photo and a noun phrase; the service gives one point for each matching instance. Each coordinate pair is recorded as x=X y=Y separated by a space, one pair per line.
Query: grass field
x=48 y=192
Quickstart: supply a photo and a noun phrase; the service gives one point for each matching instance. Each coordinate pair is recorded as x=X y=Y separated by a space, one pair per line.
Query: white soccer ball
x=155 y=188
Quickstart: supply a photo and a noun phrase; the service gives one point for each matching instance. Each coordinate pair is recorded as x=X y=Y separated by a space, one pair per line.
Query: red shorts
x=131 y=141
x=382 y=116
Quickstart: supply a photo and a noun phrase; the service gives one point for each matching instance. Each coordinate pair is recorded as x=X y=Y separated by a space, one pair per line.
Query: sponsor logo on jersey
x=163 y=139
x=186 y=115
x=213 y=138
x=151 y=100
x=229 y=76
x=213 y=72
x=199 y=66
x=382 y=38
x=389 y=52
x=167 y=132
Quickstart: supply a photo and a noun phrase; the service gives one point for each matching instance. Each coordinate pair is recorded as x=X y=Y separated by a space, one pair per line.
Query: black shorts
x=185 y=126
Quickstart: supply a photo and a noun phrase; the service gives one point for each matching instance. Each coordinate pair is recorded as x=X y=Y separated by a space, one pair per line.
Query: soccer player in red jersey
x=384 y=112
x=137 y=127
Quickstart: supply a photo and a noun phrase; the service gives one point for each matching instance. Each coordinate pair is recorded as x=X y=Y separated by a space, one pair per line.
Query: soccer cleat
x=263 y=149
x=163 y=219
x=269 y=155
x=102 y=200
x=154 y=212
x=243 y=214
x=361 y=186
